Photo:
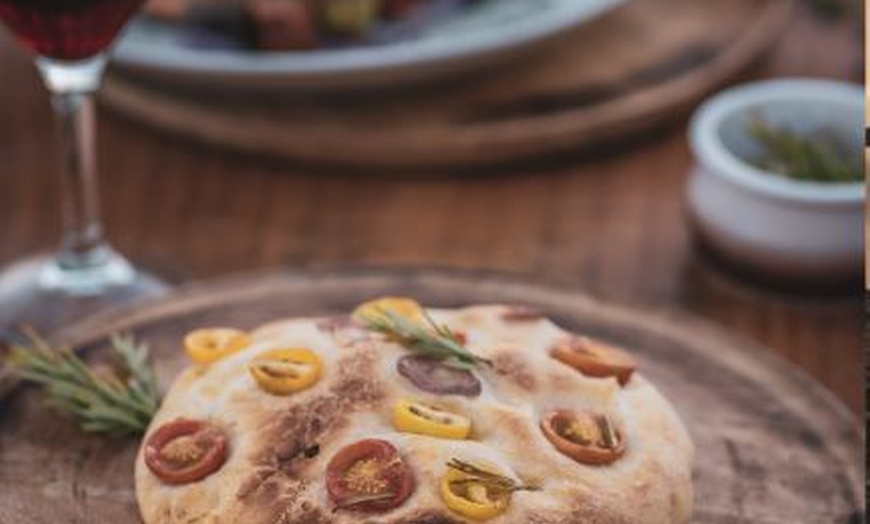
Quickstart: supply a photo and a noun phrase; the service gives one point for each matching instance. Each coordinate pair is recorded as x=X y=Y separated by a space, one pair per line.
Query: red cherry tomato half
x=595 y=358
x=398 y=9
x=185 y=451
x=586 y=437
x=369 y=476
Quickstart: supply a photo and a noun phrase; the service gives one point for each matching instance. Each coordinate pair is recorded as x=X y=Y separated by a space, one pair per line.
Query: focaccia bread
x=624 y=457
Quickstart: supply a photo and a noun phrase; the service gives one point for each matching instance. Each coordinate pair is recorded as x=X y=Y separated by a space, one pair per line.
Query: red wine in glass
x=67 y=29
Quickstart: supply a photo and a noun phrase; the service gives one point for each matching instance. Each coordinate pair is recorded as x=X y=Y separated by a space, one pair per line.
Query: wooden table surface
x=610 y=225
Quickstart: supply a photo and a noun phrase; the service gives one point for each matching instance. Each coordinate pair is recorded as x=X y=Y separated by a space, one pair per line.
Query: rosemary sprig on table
x=499 y=485
x=811 y=157
x=429 y=339
x=118 y=401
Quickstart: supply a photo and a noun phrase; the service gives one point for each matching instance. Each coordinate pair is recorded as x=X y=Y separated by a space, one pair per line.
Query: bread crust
x=273 y=476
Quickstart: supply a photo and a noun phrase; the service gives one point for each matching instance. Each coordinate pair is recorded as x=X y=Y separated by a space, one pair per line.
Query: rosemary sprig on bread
x=425 y=337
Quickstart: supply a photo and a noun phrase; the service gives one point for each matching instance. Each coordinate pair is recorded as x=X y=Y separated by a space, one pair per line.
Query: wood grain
x=773 y=447
x=625 y=73
x=610 y=225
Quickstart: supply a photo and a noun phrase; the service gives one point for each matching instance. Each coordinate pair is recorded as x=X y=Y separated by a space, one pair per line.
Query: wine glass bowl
x=67 y=29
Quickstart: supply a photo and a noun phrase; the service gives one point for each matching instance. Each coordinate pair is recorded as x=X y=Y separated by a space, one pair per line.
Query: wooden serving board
x=646 y=63
x=772 y=446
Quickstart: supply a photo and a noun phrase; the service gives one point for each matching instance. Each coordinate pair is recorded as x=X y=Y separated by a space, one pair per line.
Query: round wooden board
x=643 y=64
x=773 y=446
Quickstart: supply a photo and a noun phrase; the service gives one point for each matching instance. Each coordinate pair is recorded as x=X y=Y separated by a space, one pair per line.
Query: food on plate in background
x=287 y=24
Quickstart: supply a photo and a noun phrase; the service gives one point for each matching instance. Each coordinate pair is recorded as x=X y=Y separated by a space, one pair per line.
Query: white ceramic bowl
x=783 y=227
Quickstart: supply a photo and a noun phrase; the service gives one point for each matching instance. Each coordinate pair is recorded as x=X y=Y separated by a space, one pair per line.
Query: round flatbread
x=279 y=446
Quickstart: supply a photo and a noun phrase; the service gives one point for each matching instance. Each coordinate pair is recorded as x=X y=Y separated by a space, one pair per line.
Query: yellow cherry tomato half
x=404 y=307
x=416 y=417
x=286 y=371
x=205 y=346
x=471 y=498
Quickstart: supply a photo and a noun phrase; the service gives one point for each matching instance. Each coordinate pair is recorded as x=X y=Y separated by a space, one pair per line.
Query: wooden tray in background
x=773 y=447
x=644 y=64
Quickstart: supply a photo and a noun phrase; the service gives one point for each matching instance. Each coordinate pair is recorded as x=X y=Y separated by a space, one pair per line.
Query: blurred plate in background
x=483 y=34
x=641 y=66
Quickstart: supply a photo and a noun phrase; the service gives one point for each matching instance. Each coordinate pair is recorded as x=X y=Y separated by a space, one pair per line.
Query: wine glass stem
x=82 y=228
x=85 y=263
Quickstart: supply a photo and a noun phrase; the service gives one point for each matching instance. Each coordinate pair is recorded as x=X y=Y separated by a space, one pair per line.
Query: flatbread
x=268 y=477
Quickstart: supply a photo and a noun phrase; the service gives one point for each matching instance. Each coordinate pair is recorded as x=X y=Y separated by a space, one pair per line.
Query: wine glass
x=70 y=39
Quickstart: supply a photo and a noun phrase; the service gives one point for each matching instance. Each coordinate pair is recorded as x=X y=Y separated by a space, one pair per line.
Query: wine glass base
x=39 y=293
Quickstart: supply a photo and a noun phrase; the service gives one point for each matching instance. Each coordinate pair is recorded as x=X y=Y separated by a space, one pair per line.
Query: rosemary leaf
x=364 y=499
x=118 y=403
x=831 y=9
x=499 y=485
x=817 y=156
